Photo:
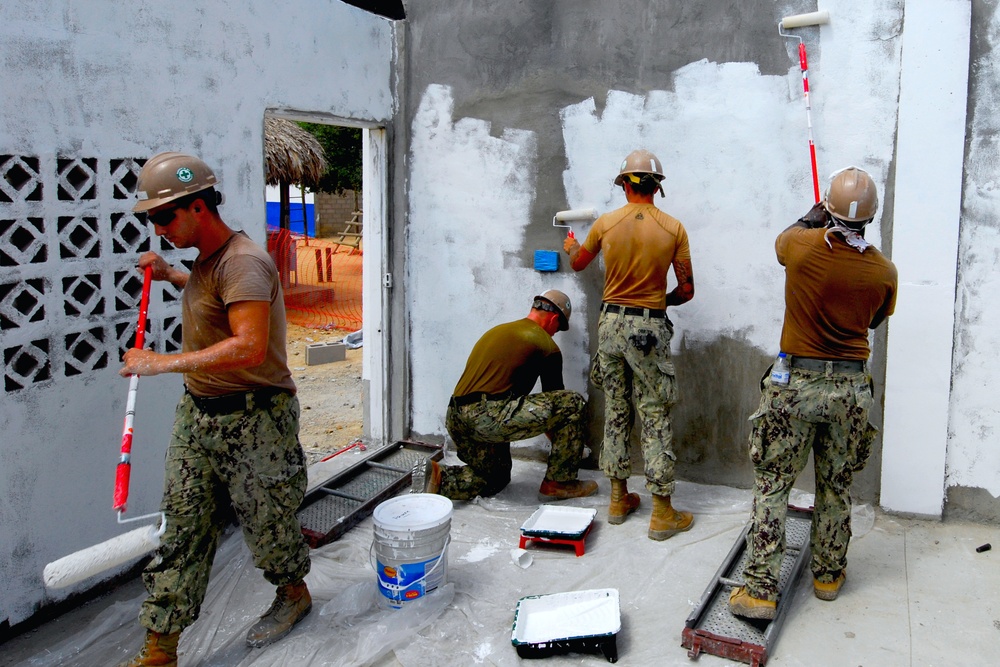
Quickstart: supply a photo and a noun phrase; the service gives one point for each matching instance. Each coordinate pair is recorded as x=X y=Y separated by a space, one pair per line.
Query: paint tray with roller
x=574 y=622
x=557 y=524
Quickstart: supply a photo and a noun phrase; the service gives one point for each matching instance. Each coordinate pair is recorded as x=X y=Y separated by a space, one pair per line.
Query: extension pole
x=797 y=21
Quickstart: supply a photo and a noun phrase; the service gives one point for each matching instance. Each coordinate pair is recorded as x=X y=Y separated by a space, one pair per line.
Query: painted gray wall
x=87 y=88
x=529 y=110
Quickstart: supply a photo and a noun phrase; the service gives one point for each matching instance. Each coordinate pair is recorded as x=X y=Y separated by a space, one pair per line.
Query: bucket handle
x=374 y=564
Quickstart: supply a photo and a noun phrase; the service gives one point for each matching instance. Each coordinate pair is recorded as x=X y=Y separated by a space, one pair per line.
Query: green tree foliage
x=342 y=149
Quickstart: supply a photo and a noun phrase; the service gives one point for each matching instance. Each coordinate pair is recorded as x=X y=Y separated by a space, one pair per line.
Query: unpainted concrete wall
x=89 y=91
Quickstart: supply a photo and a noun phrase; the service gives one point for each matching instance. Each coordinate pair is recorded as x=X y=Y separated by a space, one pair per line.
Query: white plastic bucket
x=412 y=532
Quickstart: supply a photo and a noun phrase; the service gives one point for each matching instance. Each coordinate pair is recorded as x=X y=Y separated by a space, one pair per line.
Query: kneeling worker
x=492 y=405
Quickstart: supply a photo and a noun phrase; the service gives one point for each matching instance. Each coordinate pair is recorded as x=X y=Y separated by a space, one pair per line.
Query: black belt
x=633 y=310
x=477 y=396
x=828 y=365
x=231 y=403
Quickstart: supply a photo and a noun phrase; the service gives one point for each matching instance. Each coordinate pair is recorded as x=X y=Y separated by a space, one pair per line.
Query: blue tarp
x=294 y=215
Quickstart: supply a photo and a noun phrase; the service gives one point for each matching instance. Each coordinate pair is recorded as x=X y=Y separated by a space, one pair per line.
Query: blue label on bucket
x=407 y=581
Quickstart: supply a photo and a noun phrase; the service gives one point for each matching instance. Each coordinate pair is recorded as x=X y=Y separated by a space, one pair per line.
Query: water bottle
x=781 y=372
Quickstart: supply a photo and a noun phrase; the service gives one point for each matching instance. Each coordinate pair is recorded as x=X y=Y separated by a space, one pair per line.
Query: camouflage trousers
x=633 y=366
x=482 y=433
x=828 y=415
x=251 y=460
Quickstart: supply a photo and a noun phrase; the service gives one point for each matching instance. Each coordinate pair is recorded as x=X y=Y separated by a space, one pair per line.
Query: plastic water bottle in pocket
x=781 y=371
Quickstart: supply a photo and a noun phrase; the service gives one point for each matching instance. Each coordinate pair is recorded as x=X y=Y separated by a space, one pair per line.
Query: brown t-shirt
x=640 y=242
x=238 y=271
x=510 y=358
x=832 y=295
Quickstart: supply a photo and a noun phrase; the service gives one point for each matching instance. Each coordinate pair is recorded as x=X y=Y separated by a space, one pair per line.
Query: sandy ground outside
x=330 y=395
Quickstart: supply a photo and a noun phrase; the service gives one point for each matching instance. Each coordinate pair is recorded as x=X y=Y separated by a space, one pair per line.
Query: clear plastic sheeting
x=468 y=620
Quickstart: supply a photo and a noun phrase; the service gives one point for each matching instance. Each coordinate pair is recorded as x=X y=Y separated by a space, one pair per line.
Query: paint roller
x=126 y=547
x=801 y=21
x=573 y=215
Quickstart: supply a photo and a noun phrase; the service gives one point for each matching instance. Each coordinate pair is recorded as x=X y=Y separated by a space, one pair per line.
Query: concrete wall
x=528 y=110
x=89 y=90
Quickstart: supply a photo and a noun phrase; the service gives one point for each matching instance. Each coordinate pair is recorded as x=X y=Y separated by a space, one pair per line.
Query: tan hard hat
x=852 y=196
x=169 y=176
x=561 y=302
x=638 y=162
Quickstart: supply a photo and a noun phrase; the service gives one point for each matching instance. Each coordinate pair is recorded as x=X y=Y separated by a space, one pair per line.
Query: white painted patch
x=470 y=202
x=481 y=551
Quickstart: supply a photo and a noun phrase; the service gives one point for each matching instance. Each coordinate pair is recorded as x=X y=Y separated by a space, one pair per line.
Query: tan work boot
x=743 y=604
x=291 y=604
x=830 y=591
x=623 y=503
x=552 y=490
x=160 y=650
x=666 y=521
x=425 y=476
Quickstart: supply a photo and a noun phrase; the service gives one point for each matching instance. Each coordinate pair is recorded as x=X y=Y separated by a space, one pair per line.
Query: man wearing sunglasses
x=235 y=436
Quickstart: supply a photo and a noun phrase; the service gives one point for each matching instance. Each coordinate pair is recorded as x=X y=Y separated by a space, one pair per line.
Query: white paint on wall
x=932 y=117
x=470 y=196
x=974 y=424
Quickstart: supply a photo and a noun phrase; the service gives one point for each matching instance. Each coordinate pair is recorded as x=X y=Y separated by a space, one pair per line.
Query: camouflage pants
x=828 y=415
x=633 y=366
x=483 y=431
x=250 y=459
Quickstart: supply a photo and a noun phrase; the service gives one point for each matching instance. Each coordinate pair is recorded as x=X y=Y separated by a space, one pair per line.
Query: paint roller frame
x=126 y=547
x=816 y=18
x=574 y=215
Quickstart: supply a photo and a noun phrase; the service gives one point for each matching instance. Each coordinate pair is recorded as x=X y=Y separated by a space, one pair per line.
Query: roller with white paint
x=573 y=215
x=124 y=548
x=801 y=21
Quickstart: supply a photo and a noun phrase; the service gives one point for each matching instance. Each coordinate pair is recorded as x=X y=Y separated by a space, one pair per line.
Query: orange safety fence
x=321 y=280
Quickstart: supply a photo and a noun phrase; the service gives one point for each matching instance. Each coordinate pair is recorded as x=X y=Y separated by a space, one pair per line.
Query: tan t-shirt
x=832 y=295
x=640 y=242
x=510 y=358
x=238 y=271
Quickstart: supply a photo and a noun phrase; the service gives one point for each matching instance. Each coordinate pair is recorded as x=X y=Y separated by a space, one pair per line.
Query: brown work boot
x=160 y=650
x=743 y=604
x=291 y=604
x=623 y=503
x=425 y=476
x=550 y=490
x=829 y=591
x=666 y=521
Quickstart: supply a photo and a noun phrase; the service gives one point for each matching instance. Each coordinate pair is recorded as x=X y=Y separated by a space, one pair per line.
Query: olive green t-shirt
x=832 y=294
x=640 y=243
x=510 y=358
x=238 y=271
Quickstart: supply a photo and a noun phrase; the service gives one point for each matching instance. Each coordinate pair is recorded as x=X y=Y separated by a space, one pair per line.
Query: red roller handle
x=125 y=462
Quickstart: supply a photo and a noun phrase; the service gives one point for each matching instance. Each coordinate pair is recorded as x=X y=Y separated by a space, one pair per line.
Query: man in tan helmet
x=492 y=405
x=235 y=436
x=641 y=243
x=837 y=287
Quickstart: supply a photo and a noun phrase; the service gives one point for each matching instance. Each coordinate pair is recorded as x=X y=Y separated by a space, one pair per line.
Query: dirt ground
x=330 y=395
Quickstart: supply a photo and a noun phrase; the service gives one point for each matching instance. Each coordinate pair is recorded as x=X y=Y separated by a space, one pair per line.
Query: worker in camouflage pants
x=492 y=405
x=641 y=244
x=236 y=428
x=837 y=287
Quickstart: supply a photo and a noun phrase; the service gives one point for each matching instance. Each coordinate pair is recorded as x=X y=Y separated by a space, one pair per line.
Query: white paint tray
x=577 y=621
x=559 y=522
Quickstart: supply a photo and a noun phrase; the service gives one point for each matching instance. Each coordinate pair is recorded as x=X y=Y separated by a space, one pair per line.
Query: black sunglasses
x=160 y=218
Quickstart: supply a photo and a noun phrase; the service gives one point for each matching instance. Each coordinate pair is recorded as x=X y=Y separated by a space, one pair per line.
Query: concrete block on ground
x=325 y=353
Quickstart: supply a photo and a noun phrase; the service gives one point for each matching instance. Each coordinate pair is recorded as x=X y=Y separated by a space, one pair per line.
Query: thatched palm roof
x=291 y=154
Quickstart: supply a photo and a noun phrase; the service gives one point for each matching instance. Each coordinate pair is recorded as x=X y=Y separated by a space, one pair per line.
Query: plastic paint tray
x=555 y=521
x=574 y=622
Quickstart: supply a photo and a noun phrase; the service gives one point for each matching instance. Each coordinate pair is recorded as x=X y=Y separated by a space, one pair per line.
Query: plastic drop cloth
x=468 y=620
